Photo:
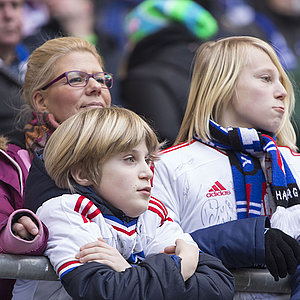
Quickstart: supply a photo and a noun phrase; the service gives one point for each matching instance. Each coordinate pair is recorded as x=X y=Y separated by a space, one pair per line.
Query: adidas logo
x=217 y=190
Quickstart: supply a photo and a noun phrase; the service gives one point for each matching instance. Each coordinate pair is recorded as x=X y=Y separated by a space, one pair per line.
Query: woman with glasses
x=64 y=76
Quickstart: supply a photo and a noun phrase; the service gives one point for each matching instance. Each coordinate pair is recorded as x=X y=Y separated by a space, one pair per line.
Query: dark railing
x=39 y=268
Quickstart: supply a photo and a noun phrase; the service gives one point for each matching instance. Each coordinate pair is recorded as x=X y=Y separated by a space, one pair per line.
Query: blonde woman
x=233 y=165
x=102 y=158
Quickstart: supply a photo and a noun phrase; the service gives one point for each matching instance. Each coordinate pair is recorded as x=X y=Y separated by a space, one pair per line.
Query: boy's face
x=125 y=181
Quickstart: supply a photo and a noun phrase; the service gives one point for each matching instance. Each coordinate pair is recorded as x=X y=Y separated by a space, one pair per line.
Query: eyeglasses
x=81 y=79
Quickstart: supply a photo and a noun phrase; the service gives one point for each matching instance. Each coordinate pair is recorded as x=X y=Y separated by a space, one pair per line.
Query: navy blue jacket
x=157 y=278
x=239 y=243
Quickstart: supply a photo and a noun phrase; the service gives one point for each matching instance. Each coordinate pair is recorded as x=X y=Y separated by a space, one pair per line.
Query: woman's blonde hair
x=43 y=60
x=216 y=71
x=90 y=137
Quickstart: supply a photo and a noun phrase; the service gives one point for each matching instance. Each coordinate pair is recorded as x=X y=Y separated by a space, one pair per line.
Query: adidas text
x=217 y=193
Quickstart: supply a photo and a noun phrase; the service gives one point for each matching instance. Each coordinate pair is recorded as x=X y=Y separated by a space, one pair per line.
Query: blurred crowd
x=148 y=45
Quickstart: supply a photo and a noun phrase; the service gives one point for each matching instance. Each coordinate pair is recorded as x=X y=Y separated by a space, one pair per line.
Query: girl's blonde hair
x=42 y=63
x=216 y=71
x=90 y=137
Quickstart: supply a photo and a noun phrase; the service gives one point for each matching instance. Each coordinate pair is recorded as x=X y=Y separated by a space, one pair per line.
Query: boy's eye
x=148 y=161
x=130 y=159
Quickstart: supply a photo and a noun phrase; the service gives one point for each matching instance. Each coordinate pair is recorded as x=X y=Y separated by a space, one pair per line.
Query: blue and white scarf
x=244 y=147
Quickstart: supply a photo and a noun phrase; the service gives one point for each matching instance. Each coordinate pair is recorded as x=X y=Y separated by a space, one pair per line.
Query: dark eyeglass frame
x=65 y=74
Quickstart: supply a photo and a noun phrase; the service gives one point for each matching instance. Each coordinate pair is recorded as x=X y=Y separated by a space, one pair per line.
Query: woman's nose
x=94 y=86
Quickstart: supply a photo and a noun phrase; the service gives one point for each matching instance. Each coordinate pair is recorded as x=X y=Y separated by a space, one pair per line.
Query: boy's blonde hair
x=43 y=60
x=90 y=137
x=216 y=71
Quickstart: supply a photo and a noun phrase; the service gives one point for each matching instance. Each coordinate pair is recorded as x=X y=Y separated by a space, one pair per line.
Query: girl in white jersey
x=233 y=165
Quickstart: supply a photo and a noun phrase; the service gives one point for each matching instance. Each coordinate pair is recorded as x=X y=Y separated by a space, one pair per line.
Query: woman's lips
x=92 y=104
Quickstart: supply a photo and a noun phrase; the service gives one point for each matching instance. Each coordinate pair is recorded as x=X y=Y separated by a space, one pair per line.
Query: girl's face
x=62 y=100
x=125 y=181
x=258 y=101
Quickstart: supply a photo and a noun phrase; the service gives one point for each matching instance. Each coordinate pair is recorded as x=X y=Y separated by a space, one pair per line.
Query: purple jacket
x=14 y=166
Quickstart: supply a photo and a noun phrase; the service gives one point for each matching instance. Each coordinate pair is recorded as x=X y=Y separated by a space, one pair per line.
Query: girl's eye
x=266 y=78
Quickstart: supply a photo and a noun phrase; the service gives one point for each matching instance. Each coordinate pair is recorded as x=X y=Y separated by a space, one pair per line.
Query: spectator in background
x=110 y=17
x=13 y=56
x=35 y=15
x=68 y=18
x=155 y=80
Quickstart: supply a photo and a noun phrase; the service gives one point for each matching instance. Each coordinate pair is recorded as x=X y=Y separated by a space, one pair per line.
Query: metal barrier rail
x=39 y=268
x=26 y=267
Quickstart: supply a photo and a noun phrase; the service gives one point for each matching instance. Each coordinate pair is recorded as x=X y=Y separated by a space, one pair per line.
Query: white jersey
x=73 y=221
x=76 y=221
x=195 y=183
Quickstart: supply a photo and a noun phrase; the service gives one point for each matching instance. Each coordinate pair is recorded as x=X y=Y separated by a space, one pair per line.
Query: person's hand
x=189 y=255
x=282 y=253
x=25 y=228
x=103 y=253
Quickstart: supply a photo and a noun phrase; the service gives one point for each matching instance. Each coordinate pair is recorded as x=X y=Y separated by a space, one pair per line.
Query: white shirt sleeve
x=69 y=229
x=166 y=189
x=158 y=230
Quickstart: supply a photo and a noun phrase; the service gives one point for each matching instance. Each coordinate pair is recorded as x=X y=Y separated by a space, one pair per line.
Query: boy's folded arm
x=212 y=280
x=157 y=277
